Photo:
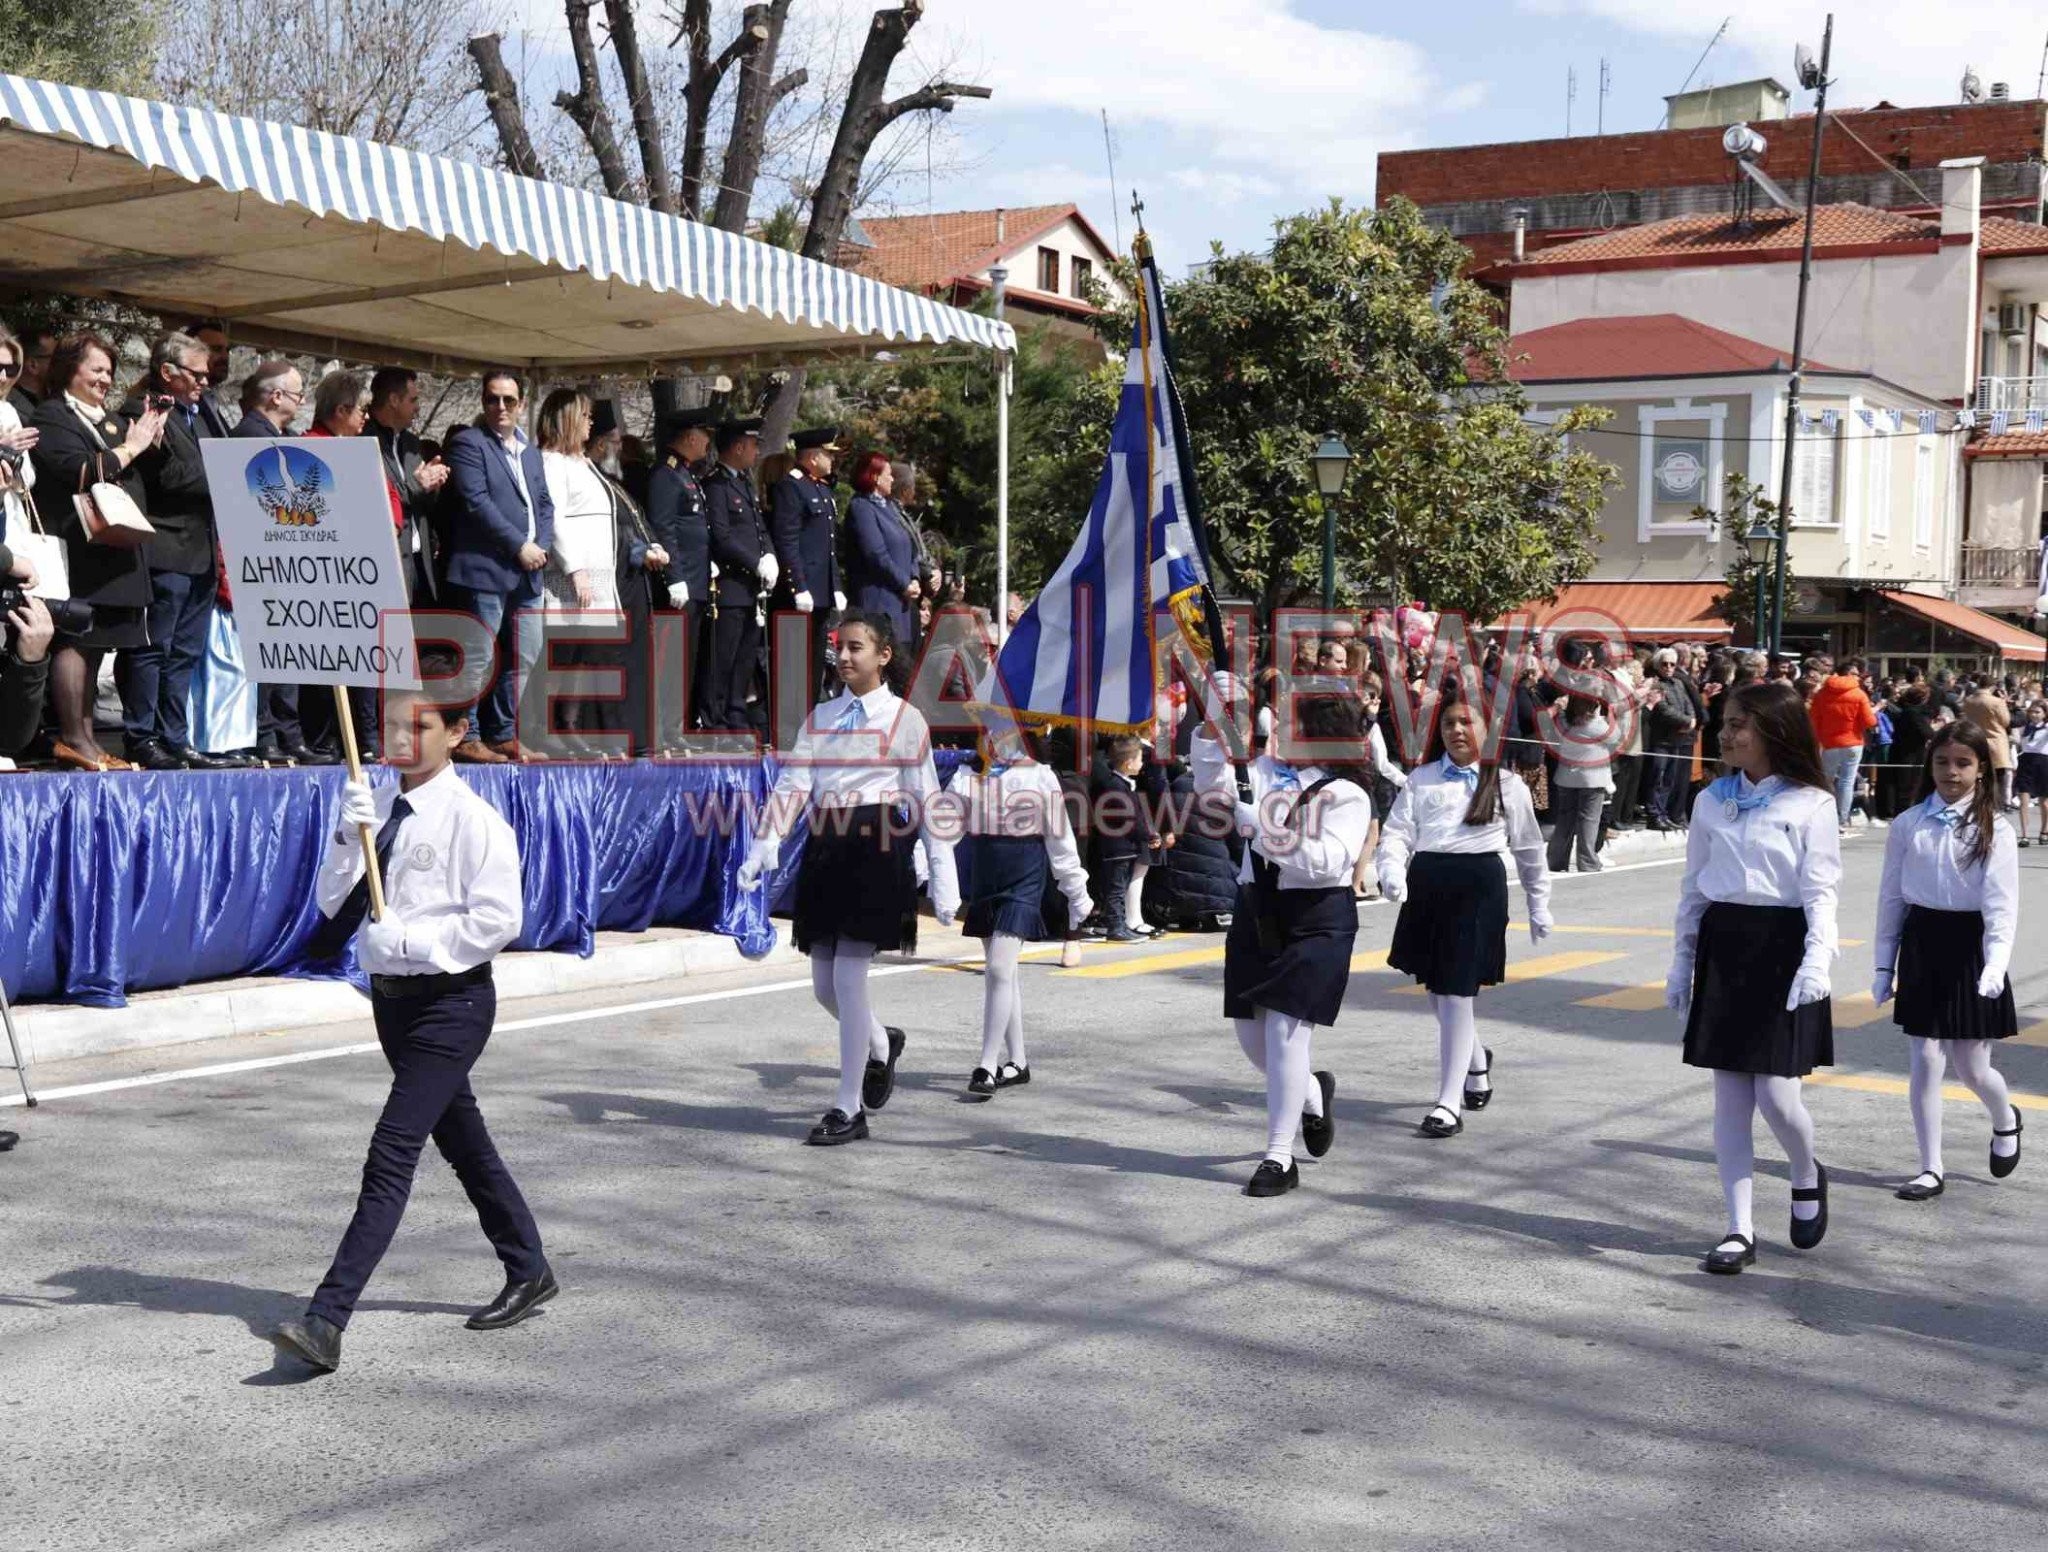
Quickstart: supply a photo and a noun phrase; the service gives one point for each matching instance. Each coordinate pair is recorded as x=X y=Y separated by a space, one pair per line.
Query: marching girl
x=1755 y=935
x=1287 y=958
x=862 y=768
x=1014 y=814
x=1440 y=861
x=1947 y=913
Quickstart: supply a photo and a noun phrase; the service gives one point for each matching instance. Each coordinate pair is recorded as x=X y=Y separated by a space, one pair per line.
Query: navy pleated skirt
x=1941 y=954
x=1452 y=934
x=1742 y=974
x=1305 y=972
x=1009 y=874
x=858 y=880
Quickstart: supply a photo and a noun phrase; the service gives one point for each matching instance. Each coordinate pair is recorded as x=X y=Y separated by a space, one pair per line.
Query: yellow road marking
x=1537 y=968
x=976 y=966
x=2033 y=1034
x=1376 y=960
x=1854 y=1012
x=1872 y=1083
x=1629 y=999
x=1593 y=930
x=1146 y=964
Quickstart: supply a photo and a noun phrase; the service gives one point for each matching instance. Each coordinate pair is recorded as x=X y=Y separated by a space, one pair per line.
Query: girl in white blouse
x=862 y=770
x=1015 y=818
x=1287 y=958
x=1440 y=859
x=1755 y=936
x=1947 y=912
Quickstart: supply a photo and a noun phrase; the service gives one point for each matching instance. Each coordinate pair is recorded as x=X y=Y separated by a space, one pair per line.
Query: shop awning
x=346 y=247
x=1656 y=611
x=2008 y=640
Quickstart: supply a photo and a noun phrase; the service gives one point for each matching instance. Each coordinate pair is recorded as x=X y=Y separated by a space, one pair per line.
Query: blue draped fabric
x=133 y=882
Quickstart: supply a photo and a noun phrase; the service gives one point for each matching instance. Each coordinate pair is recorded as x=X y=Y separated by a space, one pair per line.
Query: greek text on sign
x=1679 y=471
x=313 y=561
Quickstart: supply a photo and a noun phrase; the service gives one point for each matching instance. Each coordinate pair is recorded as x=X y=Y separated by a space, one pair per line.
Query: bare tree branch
x=701 y=90
x=501 y=96
x=935 y=98
x=749 y=117
x=795 y=81
x=585 y=106
x=625 y=32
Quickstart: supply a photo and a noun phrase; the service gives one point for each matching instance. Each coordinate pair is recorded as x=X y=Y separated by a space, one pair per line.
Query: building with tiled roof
x=1662 y=346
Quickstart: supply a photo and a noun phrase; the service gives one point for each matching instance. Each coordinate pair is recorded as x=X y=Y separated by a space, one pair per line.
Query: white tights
x=839 y=980
x=1002 y=1001
x=1278 y=1045
x=1738 y=1096
x=1134 y=895
x=1457 y=1048
x=1972 y=1059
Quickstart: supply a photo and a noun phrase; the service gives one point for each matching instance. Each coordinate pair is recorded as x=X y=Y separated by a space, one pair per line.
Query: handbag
x=111 y=519
x=45 y=552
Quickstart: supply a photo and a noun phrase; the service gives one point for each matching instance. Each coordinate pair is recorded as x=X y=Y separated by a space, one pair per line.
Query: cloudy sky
x=1229 y=113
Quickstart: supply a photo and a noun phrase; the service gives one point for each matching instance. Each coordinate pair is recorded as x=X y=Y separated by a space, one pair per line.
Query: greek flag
x=2000 y=421
x=1087 y=649
x=1926 y=422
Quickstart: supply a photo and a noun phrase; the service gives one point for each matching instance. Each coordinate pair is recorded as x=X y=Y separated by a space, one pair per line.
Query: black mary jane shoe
x=515 y=1301
x=313 y=1341
x=1009 y=1075
x=1269 y=1179
x=836 y=1129
x=1433 y=1124
x=983 y=1084
x=878 y=1082
x=1808 y=1232
x=1318 y=1132
x=1725 y=1262
x=1479 y=1101
x=2001 y=1167
x=1916 y=1189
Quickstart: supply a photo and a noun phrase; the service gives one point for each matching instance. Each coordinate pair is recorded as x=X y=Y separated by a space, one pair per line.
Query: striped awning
x=1654 y=611
x=318 y=241
x=2002 y=636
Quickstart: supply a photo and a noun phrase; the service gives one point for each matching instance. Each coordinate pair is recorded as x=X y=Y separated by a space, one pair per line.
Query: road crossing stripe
x=1543 y=965
x=1873 y=1083
x=1591 y=930
x=1146 y=964
x=1854 y=1012
x=1629 y=999
x=2033 y=1034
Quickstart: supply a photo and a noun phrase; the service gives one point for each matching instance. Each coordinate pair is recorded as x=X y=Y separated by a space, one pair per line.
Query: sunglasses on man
x=509 y=401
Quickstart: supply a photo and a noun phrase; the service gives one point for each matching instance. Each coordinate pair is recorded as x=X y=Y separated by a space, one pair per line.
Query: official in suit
x=419 y=480
x=803 y=518
x=500 y=527
x=272 y=396
x=881 y=556
x=156 y=677
x=747 y=573
x=79 y=445
x=678 y=511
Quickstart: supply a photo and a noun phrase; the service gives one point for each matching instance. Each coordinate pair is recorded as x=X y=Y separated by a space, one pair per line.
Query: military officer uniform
x=679 y=511
x=803 y=518
x=740 y=543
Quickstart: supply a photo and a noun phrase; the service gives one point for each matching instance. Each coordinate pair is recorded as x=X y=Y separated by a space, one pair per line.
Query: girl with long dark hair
x=1947 y=914
x=862 y=769
x=1440 y=859
x=1755 y=936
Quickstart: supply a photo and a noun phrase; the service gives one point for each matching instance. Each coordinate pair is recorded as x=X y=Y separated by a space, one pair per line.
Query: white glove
x=1223 y=693
x=386 y=937
x=805 y=603
x=1079 y=906
x=678 y=595
x=1678 y=987
x=358 y=806
x=769 y=569
x=1990 y=983
x=761 y=859
x=1247 y=820
x=839 y=600
x=946 y=905
x=1539 y=928
x=1881 y=987
x=1807 y=986
x=1393 y=890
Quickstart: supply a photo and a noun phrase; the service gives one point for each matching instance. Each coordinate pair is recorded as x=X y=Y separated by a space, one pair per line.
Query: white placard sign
x=312 y=560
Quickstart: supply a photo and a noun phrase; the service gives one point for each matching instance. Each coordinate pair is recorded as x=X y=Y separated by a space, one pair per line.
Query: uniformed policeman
x=803 y=516
x=747 y=573
x=679 y=511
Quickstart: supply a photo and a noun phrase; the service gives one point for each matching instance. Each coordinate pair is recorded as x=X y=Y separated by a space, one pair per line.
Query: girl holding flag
x=1755 y=935
x=862 y=769
x=1440 y=861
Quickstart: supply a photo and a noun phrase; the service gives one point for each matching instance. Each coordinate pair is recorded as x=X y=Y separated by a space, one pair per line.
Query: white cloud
x=1222 y=185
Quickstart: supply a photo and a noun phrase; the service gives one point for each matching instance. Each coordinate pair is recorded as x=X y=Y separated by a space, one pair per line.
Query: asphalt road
x=1051 y=1320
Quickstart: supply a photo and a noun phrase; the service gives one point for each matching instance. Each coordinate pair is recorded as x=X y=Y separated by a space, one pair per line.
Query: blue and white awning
x=318 y=238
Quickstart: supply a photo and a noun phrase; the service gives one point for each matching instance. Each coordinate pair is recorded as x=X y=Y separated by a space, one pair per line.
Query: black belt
x=427 y=985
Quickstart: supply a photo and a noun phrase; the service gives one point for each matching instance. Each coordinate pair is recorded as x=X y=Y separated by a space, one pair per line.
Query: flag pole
x=364 y=834
x=1141 y=251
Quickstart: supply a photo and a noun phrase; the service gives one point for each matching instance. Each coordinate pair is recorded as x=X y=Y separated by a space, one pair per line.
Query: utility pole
x=1571 y=94
x=1600 y=112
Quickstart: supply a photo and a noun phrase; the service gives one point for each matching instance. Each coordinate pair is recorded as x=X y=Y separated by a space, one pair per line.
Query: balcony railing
x=2014 y=395
x=1992 y=566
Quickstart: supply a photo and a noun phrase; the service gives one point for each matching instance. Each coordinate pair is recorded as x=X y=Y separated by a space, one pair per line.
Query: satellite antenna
x=1804 y=68
x=1973 y=89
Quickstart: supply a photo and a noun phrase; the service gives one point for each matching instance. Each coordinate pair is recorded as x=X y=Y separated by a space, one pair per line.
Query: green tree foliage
x=108 y=44
x=1743 y=505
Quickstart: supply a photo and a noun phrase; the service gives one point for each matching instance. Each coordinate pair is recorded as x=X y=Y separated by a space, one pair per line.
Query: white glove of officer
x=386 y=938
x=1678 y=986
x=678 y=595
x=839 y=601
x=1807 y=986
x=1540 y=927
x=1881 y=987
x=761 y=859
x=768 y=571
x=805 y=603
x=1990 y=983
x=358 y=807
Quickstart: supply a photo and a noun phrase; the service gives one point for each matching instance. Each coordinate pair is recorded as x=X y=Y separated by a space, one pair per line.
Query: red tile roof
x=1653 y=345
x=934 y=250
x=2010 y=444
x=2003 y=235
x=1767 y=234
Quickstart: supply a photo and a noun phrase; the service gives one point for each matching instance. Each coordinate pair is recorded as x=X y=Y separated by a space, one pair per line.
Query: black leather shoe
x=271 y=752
x=149 y=755
x=196 y=761
x=983 y=1084
x=1269 y=1179
x=1808 y=1232
x=1318 y=1132
x=515 y=1302
x=836 y=1129
x=1434 y=1124
x=1728 y=1262
x=1479 y=1101
x=2001 y=1167
x=1919 y=1190
x=878 y=1082
x=304 y=754
x=1009 y=1075
x=313 y=1340
x=8 y=1140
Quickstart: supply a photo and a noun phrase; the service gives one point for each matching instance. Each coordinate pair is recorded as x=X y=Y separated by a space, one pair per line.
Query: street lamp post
x=1332 y=462
x=1758 y=541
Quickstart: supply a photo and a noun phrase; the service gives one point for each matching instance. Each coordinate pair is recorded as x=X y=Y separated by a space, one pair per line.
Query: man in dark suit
x=747 y=572
x=678 y=510
x=803 y=516
x=498 y=529
x=156 y=679
x=419 y=481
x=30 y=389
x=213 y=334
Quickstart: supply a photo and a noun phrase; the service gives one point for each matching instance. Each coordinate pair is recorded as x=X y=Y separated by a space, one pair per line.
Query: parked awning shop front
x=347 y=247
x=1646 y=611
x=2007 y=640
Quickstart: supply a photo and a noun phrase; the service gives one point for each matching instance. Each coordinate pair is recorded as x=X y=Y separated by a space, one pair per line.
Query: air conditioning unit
x=2012 y=319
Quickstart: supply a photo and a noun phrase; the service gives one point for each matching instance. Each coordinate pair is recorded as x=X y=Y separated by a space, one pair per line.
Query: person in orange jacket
x=1841 y=715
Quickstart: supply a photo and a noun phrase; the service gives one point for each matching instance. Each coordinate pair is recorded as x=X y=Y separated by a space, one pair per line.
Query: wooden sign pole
x=355 y=773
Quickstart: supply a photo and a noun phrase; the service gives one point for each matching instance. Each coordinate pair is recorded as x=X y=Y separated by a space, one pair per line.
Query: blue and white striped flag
x=2000 y=420
x=1898 y=418
x=1086 y=648
x=1926 y=422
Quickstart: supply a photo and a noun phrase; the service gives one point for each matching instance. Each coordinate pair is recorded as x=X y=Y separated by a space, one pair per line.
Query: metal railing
x=2014 y=395
x=1995 y=566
